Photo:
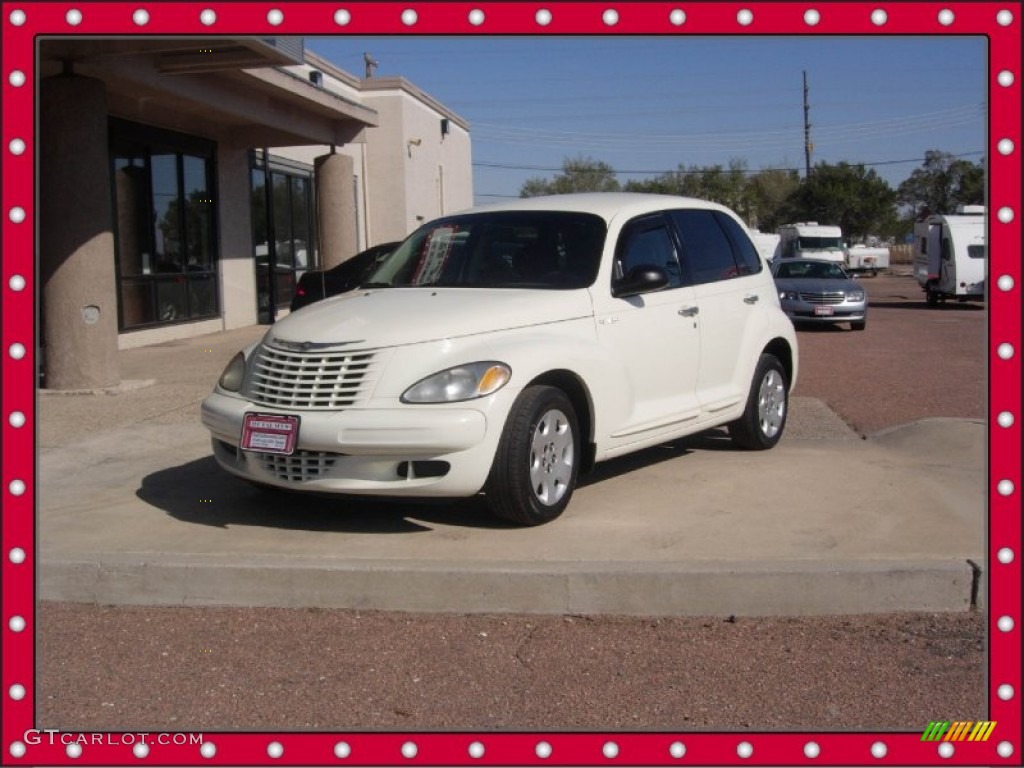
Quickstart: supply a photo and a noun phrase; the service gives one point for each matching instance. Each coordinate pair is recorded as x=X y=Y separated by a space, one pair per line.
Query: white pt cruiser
x=508 y=348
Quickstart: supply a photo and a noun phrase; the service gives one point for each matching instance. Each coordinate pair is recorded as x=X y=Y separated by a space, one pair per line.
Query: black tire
x=535 y=468
x=858 y=325
x=764 y=418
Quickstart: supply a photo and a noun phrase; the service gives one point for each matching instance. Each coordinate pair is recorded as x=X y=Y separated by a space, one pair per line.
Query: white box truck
x=950 y=255
x=811 y=240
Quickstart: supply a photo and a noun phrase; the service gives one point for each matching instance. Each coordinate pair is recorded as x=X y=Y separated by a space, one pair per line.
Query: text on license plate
x=823 y=310
x=269 y=433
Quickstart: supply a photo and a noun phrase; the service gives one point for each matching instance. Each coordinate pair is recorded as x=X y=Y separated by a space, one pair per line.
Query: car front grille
x=299 y=466
x=310 y=381
x=823 y=298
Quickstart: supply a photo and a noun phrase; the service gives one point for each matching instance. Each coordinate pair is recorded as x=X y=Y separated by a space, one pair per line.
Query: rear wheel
x=537 y=462
x=764 y=419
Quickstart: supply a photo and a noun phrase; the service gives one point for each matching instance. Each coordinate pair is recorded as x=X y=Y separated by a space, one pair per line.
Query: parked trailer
x=811 y=240
x=950 y=255
x=766 y=243
x=863 y=258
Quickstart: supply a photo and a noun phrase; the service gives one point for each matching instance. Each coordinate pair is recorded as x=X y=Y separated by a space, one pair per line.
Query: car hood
x=394 y=316
x=815 y=285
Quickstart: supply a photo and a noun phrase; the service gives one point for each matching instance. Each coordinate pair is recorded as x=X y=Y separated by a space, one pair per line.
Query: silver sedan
x=814 y=291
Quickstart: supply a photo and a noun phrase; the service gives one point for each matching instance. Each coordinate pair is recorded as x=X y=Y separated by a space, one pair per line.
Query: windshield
x=818 y=270
x=510 y=249
x=820 y=243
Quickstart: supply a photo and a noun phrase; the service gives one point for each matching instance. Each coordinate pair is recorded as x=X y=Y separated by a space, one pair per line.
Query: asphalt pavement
x=132 y=509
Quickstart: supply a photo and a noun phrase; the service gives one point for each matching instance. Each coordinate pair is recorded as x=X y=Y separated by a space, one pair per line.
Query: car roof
x=607 y=205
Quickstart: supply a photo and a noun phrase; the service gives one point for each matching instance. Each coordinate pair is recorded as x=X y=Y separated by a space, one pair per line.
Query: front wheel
x=764 y=418
x=537 y=462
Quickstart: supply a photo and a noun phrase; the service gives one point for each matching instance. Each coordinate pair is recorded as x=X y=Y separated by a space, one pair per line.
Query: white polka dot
x=1005 y=555
x=677 y=750
x=16 y=555
x=17 y=351
x=1005 y=283
x=73 y=17
x=16 y=419
x=1005 y=351
x=1005 y=419
x=17 y=147
x=342 y=750
x=17 y=17
x=275 y=16
x=141 y=750
x=476 y=18
x=946 y=749
x=74 y=751
x=812 y=17
x=409 y=17
x=610 y=750
x=1005 y=749
x=1005 y=487
x=543 y=17
x=275 y=749
x=17 y=624
x=1005 y=78
x=16 y=692
x=208 y=17
x=543 y=750
x=1004 y=18
x=17 y=214
x=879 y=17
x=1005 y=624
x=811 y=749
x=16 y=283
x=18 y=749
x=342 y=17
x=16 y=487
x=208 y=750
x=610 y=17
x=1005 y=146
x=476 y=750
x=677 y=17
x=946 y=17
x=409 y=750
x=745 y=17
x=16 y=78
x=1005 y=692
x=141 y=17
x=745 y=749
x=1005 y=214
x=879 y=750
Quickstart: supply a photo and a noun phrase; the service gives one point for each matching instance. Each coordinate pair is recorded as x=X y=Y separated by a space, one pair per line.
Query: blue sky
x=645 y=104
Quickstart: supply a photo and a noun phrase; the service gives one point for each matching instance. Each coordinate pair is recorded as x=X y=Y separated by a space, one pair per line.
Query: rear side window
x=746 y=254
x=705 y=246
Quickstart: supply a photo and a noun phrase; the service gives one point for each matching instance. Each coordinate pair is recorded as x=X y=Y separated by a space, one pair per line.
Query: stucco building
x=186 y=184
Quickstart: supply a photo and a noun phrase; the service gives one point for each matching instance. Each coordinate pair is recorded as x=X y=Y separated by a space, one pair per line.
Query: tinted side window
x=705 y=246
x=745 y=252
x=647 y=242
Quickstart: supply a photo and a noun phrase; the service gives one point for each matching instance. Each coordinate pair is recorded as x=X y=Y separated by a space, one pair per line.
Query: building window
x=283 y=241
x=164 y=226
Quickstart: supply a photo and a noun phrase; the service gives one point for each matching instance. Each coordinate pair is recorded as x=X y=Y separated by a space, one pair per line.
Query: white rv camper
x=950 y=255
x=766 y=243
x=811 y=240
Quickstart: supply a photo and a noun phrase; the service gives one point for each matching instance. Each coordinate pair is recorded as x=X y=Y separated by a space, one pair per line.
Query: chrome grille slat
x=822 y=298
x=310 y=380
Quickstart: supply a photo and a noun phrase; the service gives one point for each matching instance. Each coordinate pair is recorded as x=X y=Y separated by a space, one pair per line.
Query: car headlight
x=463 y=382
x=787 y=295
x=231 y=379
x=855 y=295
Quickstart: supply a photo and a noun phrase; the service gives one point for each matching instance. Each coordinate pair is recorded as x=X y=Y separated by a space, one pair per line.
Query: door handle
x=751 y=298
x=689 y=311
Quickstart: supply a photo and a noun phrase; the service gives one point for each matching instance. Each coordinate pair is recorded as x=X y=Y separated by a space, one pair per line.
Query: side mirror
x=644 y=278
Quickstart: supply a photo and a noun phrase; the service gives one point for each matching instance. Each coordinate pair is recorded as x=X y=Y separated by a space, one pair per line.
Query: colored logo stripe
x=935 y=730
x=982 y=731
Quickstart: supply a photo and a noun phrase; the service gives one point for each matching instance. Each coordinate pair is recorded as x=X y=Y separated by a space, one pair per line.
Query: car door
x=730 y=290
x=654 y=334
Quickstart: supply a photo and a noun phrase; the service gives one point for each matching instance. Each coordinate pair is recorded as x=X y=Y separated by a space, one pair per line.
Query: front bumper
x=803 y=312
x=410 y=451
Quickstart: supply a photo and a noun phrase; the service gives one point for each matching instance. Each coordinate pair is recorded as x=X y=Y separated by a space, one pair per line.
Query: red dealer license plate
x=823 y=310
x=269 y=433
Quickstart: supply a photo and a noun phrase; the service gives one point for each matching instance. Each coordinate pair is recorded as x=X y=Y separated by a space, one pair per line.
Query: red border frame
x=1004 y=579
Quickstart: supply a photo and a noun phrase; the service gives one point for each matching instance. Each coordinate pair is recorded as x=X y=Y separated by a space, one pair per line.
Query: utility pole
x=807 y=131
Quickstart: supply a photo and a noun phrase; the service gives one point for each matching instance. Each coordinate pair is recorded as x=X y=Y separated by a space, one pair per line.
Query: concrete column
x=76 y=242
x=336 y=206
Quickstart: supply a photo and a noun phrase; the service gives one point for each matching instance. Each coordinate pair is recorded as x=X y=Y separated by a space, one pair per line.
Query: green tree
x=581 y=174
x=768 y=191
x=858 y=200
x=942 y=183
